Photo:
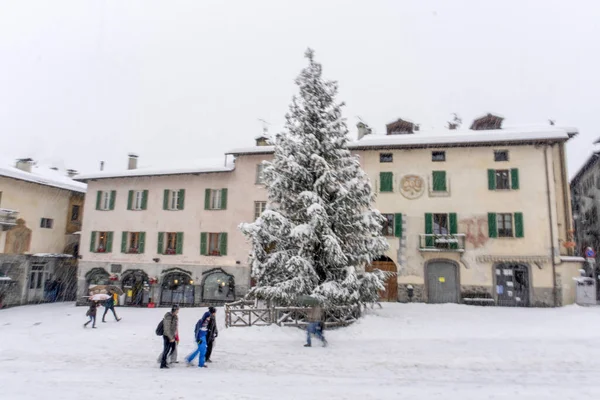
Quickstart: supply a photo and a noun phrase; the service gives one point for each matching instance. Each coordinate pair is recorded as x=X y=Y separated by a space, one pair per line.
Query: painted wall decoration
x=475 y=231
x=18 y=239
x=412 y=186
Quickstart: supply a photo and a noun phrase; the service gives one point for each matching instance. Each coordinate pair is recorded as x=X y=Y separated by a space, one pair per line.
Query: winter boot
x=307 y=345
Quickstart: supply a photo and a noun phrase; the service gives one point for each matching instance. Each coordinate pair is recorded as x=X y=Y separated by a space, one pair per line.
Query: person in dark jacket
x=212 y=332
x=315 y=326
x=170 y=327
x=109 y=304
x=91 y=313
x=200 y=332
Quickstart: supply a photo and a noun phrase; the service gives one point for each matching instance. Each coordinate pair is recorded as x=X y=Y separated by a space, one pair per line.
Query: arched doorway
x=218 y=285
x=177 y=288
x=134 y=283
x=391 y=283
x=442 y=281
x=97 y=276
x=512 y=284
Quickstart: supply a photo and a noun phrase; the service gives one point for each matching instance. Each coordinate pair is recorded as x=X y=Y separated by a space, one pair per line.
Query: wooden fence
x=251 y=313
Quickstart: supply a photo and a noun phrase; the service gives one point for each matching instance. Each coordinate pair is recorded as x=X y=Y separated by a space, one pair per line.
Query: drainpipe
x=554 y=294
x=566 y=195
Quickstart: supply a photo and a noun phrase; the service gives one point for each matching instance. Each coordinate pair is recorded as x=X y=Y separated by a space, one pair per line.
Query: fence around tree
x=252 y=313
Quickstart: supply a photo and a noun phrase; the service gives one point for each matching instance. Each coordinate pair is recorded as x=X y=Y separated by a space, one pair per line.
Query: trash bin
x=586 y=291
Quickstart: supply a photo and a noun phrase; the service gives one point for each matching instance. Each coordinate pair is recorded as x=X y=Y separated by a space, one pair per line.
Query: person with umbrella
x=91 y=313
x=109 y=304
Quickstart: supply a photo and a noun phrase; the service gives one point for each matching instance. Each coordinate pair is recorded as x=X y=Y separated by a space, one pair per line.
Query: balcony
x=8 y=218
x=439 y=243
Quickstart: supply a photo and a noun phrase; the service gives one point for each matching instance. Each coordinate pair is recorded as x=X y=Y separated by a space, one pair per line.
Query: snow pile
x=413 y=351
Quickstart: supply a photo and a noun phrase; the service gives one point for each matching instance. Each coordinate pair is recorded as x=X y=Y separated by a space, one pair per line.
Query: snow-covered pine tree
x=319 y=230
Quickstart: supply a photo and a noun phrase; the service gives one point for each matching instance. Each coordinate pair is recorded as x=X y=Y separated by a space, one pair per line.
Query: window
x=213 y=244
x=170 y=243
x=501 y=155
x=75 y=213
x=386 y=182
x=101 y=242
x=260 y=178
x=133 y=242
x=438 y=156
x=8 y=269
x=440 y=231
x=259 y=208
x=137 y=200
x=173 y=199
x=215 y=199
x=506 y=225
x=388 y=225
x=37 y=277
x=105 y=200
x=386 y=157
x=503 y=179
x=439 y=181
x=440 y=224
x=47 y=223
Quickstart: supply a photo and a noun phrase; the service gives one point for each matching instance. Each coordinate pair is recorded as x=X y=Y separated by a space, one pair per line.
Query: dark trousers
x=106 y=311
x=92 y=320
x=167 y=347
x=209 y=349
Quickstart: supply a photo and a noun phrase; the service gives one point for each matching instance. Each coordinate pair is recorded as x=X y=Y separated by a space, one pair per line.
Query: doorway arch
x=442 y=281
x=97 y=276
x=218 y=285
x=512 y=284
x=177 y=288
x=386 y=264
x=134 y=283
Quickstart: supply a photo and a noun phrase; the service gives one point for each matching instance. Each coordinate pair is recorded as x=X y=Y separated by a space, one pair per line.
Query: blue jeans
x=314 y=329
x=201 y=351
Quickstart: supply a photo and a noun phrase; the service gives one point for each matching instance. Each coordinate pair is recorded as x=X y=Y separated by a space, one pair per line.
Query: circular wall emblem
x=412 y=186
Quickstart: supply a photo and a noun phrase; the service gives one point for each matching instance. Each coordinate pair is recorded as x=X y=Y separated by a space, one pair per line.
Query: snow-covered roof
x=43 y=176
x=203 y=166
x=445 y=137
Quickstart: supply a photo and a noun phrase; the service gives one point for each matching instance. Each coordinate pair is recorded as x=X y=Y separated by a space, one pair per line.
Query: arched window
x=97 y=276
x=219 y=286
x=177 y=288
x=135 y=286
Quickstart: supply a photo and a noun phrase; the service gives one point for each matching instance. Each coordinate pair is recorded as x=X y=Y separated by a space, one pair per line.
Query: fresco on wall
x=18 y=239
x=475 y=228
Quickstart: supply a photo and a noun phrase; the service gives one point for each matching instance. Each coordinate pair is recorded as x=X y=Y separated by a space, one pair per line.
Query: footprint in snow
x=37 y=323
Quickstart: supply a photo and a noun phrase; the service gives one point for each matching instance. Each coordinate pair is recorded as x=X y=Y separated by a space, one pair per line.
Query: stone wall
x=15 y=267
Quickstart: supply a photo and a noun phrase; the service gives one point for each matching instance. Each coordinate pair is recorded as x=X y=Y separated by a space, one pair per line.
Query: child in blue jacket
x=200 y=334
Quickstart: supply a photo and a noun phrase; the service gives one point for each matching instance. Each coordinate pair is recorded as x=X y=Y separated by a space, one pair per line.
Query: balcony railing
x=433 y=242
x=8 y=218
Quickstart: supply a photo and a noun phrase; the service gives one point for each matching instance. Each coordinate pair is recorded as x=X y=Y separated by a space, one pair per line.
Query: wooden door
x=391 y=284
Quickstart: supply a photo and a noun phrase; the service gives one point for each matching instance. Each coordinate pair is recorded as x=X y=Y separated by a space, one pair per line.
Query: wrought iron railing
x=434 y=242
x=8 y=218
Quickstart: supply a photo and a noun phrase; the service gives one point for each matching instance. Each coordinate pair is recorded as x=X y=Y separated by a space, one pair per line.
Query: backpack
x=160 y=329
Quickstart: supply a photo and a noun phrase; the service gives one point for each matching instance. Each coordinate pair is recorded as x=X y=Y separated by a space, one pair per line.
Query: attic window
x=400 y=127
x=487 y=122
x=386 y=157
x=501 y=155
x=438 y=156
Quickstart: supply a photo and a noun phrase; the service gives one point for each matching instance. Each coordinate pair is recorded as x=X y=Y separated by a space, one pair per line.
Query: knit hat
x=212 y=310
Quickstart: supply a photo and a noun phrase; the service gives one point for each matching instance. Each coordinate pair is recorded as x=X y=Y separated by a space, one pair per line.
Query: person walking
x=315 y=326
x=212 y=333
x=91 y=313
x=109 y=304
x=200 y=333
x=170 y=327
x=172 y=357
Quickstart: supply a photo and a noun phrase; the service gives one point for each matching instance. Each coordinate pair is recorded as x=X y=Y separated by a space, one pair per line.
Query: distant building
x=41 y=210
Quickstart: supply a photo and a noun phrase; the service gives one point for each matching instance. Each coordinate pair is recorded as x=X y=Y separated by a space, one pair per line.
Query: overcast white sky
x=84 y=81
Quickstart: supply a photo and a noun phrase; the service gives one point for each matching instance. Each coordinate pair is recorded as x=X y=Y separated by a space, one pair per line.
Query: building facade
x=479 y=216
x=41 y=211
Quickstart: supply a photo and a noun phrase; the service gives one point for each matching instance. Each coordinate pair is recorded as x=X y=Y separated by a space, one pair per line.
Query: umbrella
x=308 y=301
x=115 y=289
x=99 y=297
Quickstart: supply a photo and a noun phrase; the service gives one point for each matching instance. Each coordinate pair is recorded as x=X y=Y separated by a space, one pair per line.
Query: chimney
x=133 y=159
x=101 y=165
x=25 y=164
x=71 y=173
x=54 y=168
x=363 y=130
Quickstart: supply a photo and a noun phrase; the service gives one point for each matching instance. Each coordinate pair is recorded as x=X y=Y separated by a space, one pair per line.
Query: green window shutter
x=144 y=200
x=142 y=244
x=492 y=225
x=439 y=181
x=386 y=181
x=161 y=242
x=207 y=199
x=519 y=229
x=203 y=243
x=223 y=243
x=109 y=242
x=98 y=199
x=223 y=199
x=179 y=247
x=130 y=200
x=113 y=198
x=166 y=199
x=181 y=199
x=93 y=242
x=398 y=225
x=514 y=178
x=491 y=179
x=124 y=242
x=429 y=240
x=453 y=229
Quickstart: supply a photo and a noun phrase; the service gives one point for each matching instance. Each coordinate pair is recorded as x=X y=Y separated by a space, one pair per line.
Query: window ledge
x=433 y=193
x=435 y=250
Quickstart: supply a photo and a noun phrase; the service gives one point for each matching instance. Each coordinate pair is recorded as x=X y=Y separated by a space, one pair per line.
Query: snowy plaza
x=413 y=351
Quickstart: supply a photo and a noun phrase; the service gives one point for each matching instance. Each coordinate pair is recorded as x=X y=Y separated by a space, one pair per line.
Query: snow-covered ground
x=414 y=351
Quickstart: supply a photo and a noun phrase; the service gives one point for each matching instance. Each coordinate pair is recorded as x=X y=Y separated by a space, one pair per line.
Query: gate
x=391 y=283
x=442 y=282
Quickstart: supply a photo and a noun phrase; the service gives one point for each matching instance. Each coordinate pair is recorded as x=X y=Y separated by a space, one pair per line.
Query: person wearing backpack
x=109 y=304
x=200 y=332
x=170 y=324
